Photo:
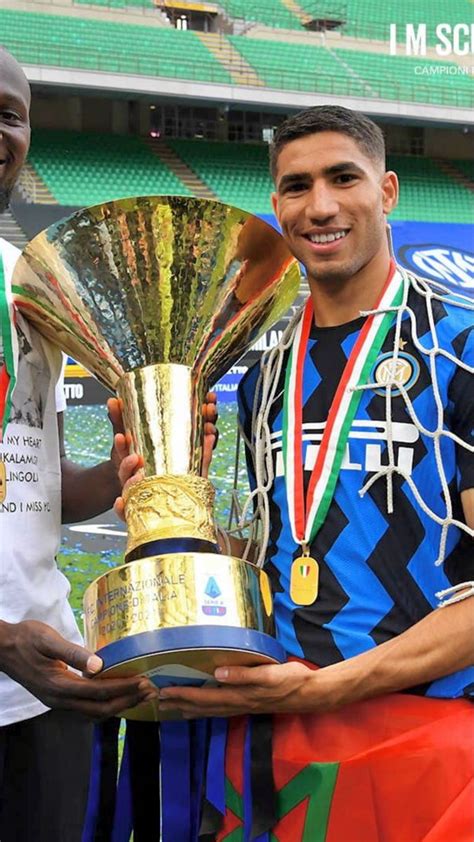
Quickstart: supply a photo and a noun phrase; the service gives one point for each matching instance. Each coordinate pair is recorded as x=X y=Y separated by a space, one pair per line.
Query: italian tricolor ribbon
x=8 y=370
x=307 y=516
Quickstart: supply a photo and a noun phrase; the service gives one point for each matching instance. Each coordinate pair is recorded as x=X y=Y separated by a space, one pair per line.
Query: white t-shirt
x=31 y=586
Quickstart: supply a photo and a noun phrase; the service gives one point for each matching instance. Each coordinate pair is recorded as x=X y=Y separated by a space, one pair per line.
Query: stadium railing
x=284 y=79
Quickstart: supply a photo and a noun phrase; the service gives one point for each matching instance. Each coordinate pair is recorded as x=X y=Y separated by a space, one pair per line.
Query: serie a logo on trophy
x=158 y=297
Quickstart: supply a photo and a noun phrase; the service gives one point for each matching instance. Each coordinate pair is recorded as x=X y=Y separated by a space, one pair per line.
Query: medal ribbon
x=307 y=516
x=10 y=351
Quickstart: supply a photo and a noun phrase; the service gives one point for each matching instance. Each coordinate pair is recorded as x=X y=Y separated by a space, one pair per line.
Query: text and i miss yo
x=414 y=39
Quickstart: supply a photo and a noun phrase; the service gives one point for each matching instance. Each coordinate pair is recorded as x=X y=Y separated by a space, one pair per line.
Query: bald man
x=46 y=707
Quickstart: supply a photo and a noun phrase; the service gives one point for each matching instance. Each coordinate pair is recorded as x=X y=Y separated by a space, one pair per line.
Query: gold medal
x=304 y=580
x=309 y=504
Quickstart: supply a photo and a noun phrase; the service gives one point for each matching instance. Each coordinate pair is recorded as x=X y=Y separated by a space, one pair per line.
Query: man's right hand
x=37 y=657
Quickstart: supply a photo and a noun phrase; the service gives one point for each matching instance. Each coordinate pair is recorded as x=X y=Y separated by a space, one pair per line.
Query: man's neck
x=338 y=302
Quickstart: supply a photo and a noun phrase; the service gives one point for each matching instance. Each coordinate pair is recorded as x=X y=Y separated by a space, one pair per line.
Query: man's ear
x=274 y=198
x=390 y=191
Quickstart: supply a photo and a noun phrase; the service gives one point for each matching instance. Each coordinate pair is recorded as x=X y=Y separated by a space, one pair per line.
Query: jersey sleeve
x=461 y=394
x=245 y=399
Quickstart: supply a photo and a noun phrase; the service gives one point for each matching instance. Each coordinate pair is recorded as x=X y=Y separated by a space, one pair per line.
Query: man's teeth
x=327 y=238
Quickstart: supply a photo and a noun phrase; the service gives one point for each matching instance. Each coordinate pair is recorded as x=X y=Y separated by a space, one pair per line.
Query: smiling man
x=368 y=480
x=44 y=753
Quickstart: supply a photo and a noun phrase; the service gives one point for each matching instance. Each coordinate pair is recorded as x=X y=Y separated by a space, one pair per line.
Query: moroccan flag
x=399 y=768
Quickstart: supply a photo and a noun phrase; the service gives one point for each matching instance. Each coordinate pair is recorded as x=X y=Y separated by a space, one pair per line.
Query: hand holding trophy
x=158 y=297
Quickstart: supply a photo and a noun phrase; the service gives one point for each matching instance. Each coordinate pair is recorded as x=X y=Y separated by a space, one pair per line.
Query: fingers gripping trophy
x=158 y=297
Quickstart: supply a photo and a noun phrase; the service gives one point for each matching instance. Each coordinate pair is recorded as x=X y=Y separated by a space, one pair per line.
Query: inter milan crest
x=403 y=370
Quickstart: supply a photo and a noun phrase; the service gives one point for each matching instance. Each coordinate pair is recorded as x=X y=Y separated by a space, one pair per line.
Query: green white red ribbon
x=9 y=368
x=307 y=515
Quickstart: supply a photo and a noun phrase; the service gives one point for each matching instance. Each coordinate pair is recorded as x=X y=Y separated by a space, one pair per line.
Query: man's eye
x=9 y=116
x=295 y=187
x=345 y=178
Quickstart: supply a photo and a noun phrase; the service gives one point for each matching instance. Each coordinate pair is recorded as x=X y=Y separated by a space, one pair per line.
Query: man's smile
x=326 y=240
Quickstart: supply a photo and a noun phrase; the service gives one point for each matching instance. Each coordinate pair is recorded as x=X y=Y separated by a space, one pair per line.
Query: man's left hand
x=121 y=446
x=276 y=688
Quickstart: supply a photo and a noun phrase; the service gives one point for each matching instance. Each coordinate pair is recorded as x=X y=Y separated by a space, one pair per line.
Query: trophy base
x=179 y=616
x=185 y=656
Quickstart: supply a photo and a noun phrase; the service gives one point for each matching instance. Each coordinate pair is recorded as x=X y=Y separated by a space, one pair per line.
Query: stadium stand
x=366 y=19
x=429 y=194
x=398 y=77
x=84 y=168
x=238 y=175
x=354 y=18
x=81 y=168
x=466 y=168
x=118 y=4
x=297 y=66
x=102 y=45
x=353 y=72
x=160 y=51
x=272 y=13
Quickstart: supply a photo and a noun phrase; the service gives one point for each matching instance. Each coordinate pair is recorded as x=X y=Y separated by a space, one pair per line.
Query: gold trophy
x=158 y=297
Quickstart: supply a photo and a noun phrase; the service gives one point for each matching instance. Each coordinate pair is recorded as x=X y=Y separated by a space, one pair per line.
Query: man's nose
x=322 y=203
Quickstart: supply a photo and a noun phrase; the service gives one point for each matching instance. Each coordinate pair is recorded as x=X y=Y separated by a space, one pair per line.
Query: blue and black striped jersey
x=377 y=570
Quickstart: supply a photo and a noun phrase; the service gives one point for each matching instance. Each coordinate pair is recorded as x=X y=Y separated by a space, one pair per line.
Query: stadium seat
x=59 y=40
x=63 y=41
x=355 y=73
x=81 y=168
x=398 y=77
x=366 y=19
x=272 y=13
x=119 y=4
x=466 y=168
x=429 y=194
x=237 y=173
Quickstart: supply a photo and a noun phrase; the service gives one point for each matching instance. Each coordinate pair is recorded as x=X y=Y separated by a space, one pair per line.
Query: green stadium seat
x=269 y=12
x=366 y=19
x=466 y=168
x=82 y=168
x=119 y=4
x=237 y=173
x=63 y=41
x=429 y=194
x=304 y=67
x=299 y=67
x=159 y=51
x=398 y=77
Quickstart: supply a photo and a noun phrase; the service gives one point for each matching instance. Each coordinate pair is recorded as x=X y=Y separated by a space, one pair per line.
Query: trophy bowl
x=158 y=296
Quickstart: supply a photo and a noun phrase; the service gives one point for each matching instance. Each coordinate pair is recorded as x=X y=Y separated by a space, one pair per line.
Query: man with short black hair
x=330 y=118
x=367 y=474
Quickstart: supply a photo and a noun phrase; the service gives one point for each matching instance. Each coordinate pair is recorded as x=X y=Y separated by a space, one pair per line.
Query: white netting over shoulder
x=255 y=513
x=431 y=350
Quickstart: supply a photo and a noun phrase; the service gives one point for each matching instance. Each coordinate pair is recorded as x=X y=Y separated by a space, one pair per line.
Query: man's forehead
x=13 y=82
x=320 y=150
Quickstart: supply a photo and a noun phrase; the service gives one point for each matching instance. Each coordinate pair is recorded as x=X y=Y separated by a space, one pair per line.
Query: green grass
x=88 y=441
